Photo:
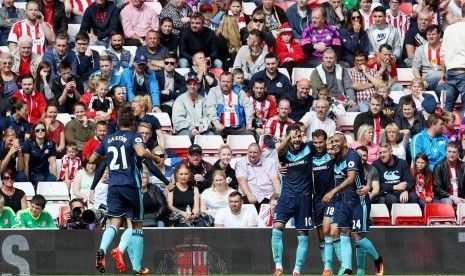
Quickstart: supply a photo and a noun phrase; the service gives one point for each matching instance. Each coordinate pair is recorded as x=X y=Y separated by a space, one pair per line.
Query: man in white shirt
x=318 y=119
x=236 y=216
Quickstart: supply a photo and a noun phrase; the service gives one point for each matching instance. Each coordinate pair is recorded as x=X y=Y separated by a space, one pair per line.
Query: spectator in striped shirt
x=34 y=26
x=76 y=9
x=9 y=15
x=364 y=80
x=397 y=18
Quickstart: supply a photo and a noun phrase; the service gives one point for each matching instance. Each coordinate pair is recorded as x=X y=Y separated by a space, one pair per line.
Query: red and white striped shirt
x=368 y=19
x=277 y=128
x=400 y=22
x=81 y=5
x=72 y=166
x=36 y=32
x=229 y=117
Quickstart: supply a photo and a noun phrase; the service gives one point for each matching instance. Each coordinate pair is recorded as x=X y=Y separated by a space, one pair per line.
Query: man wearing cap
x=199 y=168
x=190 y=112
x=198 y=38
x=137 y=19
x=140 y=80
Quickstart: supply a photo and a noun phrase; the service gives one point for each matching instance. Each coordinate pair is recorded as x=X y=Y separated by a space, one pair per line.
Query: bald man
x=300 y=99
x=318 y=120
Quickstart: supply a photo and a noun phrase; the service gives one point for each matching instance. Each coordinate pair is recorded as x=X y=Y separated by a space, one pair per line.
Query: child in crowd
x=336 y=109
x=288 y=49
x=101 y=102
x=422 y=179
x=390 y=107
x=100 y=193
x=238 y=79
x=70 y=164
x=449 y=126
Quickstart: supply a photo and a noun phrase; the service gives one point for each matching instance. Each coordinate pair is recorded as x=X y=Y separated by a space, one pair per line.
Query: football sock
x=138 y=248
x=360 y=252
x=346 y=252
x=301 y=253
x=125 y=240
x=322 y=251
x=277 y=247
x=328 y=258
x=368 y=247
x=131 y=254
x=107 y=237
x=337 y=248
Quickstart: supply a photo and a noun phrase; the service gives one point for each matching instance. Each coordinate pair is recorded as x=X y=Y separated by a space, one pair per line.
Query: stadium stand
x=439 y=213
x=406 y=214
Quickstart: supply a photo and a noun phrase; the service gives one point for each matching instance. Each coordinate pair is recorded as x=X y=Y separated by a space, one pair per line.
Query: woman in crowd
x=55 y=128
x=216 y=197
x=223 y=164
x=235 y=9
x=391 y=136
x=83 y=180
x=40 y=156
x=409 y=121
x=167 y=38
x=14 y=198
x=11 y=155
x=258 y=22
x=229 y=40
x=140 y=106
x=365 y=138
x=42 y=80
x=118 y=96
x=425 y=103
x=353 y=37
x=184 y=201
x=9 y=78
x=17 y=120
x=166 y=170
x=155 y=205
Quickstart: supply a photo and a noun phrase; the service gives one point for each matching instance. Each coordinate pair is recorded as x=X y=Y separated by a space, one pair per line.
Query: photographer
x=67 y=88
x=73 y=218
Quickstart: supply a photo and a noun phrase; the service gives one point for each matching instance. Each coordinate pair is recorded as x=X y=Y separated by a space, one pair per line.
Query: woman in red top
x=55 y=129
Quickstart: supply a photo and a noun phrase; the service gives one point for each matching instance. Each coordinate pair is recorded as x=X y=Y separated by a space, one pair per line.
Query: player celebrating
x=296 y=197
x=124 y=150
x=353 y=214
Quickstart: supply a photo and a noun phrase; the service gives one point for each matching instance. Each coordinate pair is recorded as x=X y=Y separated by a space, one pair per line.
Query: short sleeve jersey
x=44 y=220
x=8 y=218
x=322 y=175
x=38 y=160
x=350 y=162
x=125 y=167
x=298 y=181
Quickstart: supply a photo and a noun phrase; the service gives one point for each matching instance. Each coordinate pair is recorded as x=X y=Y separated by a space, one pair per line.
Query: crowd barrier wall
x=169 y=251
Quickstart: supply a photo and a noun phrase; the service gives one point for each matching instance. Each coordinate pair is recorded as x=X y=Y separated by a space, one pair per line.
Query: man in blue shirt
x=124 y=151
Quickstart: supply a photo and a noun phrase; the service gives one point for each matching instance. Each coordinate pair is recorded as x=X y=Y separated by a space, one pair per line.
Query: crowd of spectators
x=232 y=87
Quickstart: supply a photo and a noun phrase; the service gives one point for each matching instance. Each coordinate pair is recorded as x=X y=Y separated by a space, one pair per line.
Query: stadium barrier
x=169 y=251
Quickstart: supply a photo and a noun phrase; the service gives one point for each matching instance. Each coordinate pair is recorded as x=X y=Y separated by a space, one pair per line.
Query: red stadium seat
x=461 y=214
x=380 y=214
x=282 y=5
x=240 y=143
x=179 y=143
x=217 y=72
x=61 y=213
x=439 y=213
x=406 y=8
x=406 y=214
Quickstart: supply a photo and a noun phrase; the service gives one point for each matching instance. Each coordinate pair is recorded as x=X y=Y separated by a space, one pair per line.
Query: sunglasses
x=8 y=178
x=170 y=63
x=258 y=20
x=8 y=63
x=37 y=130
x=355 y=17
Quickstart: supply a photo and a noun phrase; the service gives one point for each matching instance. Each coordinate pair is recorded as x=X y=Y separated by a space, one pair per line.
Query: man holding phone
x=364 y=80
x=67 y=88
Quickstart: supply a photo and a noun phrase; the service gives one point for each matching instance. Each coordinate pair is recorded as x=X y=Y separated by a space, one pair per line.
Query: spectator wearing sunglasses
x=171 y=83
x=166 y=170
x=40 y=156
x=258 y=22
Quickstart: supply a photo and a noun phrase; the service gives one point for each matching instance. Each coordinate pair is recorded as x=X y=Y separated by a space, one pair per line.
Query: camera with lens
x=75 y=215
x=97 y=216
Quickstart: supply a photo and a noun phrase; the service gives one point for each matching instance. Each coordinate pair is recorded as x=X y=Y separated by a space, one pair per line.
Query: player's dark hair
x=292 y=127
x=319 y=132
x=380 y=9
x=235 y=193
x=362 y=148
x=125 y=117
x=39 y=200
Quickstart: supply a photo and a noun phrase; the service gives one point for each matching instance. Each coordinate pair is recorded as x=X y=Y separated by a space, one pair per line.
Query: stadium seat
x=54 y=209
x=396 y=95
x=301 y=73
x=64 y=118
x=210 y=159
x=20 y=5
x=285 y=72
x=405 y=76
x=282 y=5
x=350 y=138
x=439 y=213
x=4 y=49
x=27 y=188
x=99 y=49
x=346 y=123
x=458 y=102
x=179 y=143
x=234 y=162
x=53 y=191
x=131 y=49
x=264 y=207
x=406 y=8
x=61 y=213
x=248 y=7
x=240 y=143
x=165 y=121
x=380 y=214
x=209 y=143
x=290 y=3
x=73 y=29
x=250 y=206
x=461 y=214
x=406 y=214
x=182 y=71
x=217 y=72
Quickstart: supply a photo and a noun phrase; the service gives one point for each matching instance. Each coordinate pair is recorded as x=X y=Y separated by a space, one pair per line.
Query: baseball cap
x=140 y=57
x=206 y=7
x=195 y=149
x=192 y=77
